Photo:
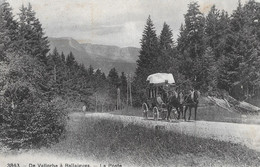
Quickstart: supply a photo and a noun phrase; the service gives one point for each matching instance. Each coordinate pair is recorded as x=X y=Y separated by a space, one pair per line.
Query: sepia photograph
x=129 y=83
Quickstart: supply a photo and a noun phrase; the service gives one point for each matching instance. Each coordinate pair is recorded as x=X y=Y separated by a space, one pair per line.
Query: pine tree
x=56 y=71
x=243 y=49
x=166 y=55
x=147 y=62
x=165 y=39
x=216 y=33
x=208 y=71
x=215 y=30
x=114 y=82
x=194 y=27
x=113 y=78
x=223 y=29
x=2 y=36
x=149 y=48
x=100 y=97
x=63 y=57
x=22 y=30
x=3 y=57
x=10 y=26
x=191 y=43
x=90 y=71
x=237 y=18
x=249 y=68
x=42 y=47
x=252 y=13
x=70 y=60
x=181 y=41
x=98 y=81
x=31 y=35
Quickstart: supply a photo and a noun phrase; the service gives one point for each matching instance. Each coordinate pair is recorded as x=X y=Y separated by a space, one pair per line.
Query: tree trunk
x=54 y=71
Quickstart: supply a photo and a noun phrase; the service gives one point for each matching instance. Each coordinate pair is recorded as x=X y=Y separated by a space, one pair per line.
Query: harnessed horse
x=191 y=101
x=176 y=100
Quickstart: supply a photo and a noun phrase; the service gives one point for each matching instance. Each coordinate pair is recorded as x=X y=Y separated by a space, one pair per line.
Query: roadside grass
x=112 y=141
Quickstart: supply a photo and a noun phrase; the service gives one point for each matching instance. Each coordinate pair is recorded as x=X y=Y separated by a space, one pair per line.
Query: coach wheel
x=145 y=110
x=155 y=113
x=163 y=114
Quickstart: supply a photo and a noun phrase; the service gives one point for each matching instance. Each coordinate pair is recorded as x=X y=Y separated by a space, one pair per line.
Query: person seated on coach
x=159 y=100
x=170 y=94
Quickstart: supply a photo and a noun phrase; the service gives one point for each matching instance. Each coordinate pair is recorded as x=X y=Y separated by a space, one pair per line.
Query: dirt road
x=244 y=134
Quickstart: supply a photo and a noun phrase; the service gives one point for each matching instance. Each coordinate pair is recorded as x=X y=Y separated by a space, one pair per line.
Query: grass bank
x=111 y=141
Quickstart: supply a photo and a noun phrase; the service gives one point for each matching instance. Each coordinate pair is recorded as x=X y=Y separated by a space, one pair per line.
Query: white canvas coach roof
x=160 y=78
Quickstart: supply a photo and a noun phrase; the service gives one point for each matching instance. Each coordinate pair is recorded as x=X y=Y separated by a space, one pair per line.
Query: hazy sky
x=112 y=22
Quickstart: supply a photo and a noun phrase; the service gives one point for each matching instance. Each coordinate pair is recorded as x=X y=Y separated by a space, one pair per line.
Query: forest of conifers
x=214 y=52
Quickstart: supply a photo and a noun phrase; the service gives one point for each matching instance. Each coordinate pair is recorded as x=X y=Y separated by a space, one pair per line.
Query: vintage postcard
x=118 y=83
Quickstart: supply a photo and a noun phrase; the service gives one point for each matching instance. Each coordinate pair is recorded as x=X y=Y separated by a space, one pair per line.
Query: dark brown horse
x=191 y=101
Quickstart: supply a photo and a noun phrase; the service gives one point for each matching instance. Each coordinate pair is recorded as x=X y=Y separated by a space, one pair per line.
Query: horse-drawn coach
x=162 y=98
x=159 y=85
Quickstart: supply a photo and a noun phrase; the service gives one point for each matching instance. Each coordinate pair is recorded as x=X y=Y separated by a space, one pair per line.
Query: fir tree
x=90 y=71
x=99 y=83
x=31 y=35
x=2 y=36
x=147 y=62
x=214 y=31
x=165 y=39
x=166 y=56
x=237 y=18
x=114 y=82
x=223 y=32
x=63 y=57
x=243 y=49
x=56 y=71
x=191 y=43
x=113 y=78
x=207 y=76
x=10 y=26
x=123 y=85
x=194 y=27
x=181 y=41
x=70 y=60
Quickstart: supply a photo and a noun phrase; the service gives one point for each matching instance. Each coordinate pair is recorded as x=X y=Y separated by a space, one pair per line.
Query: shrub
x=29 y=122
x=30 y=119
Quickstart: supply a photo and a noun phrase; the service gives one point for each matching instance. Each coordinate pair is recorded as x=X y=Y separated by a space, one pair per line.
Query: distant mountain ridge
x=104 y=57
